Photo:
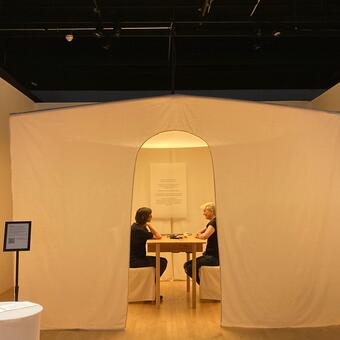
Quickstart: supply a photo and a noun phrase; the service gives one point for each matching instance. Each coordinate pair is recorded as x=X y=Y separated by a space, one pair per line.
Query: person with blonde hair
x=210 y=257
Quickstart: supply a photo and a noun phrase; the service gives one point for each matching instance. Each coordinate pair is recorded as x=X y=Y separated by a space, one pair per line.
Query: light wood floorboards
x=176 y=320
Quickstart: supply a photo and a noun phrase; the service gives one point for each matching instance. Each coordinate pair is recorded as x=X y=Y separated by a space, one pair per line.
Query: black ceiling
x=171 y=45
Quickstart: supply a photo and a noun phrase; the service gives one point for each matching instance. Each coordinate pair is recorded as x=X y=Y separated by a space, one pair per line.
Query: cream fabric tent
x=277 y=183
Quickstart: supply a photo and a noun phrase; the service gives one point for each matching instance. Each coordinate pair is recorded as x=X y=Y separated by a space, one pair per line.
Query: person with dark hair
x=210 y=256
x=141 y=231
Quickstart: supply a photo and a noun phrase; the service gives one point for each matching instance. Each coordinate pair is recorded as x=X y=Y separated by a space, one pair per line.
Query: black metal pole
x=172 y=57
x=17 y=276
x=173 y=64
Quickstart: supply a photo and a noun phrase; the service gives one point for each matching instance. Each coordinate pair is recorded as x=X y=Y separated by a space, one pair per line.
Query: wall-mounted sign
x=168 y=190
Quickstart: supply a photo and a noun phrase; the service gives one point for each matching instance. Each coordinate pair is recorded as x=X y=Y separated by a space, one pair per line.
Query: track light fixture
x=99 y=32
x=69 y=37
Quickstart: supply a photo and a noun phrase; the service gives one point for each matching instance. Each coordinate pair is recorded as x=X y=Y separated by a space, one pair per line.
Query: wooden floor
x=176 y=320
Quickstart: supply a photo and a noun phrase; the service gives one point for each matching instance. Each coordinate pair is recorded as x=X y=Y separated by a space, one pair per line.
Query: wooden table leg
x=158 y=299
x=193 y=276
x=188 y=277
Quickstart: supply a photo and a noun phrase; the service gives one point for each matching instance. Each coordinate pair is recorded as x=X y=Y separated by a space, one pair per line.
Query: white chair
x=141 y=284
x=210 y=283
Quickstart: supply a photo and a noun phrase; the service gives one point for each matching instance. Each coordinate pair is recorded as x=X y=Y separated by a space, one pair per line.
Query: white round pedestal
x=21 y=323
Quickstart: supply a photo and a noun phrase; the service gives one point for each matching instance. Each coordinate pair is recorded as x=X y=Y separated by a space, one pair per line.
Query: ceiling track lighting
x=98 y=33
x=146 y=28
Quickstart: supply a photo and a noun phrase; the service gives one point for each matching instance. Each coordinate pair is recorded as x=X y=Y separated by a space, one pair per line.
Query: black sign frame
x=9 y=239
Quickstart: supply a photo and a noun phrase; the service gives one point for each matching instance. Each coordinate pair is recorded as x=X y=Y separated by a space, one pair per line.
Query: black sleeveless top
x=139 y=236
x=212 y=244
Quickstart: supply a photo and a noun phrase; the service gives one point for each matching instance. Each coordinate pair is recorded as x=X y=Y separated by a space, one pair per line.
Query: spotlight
x=99 y=32
x=117 y=32
x=276 y=34
x=69 y=37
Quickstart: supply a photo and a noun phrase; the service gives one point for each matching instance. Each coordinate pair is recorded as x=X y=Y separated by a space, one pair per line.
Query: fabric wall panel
x=277 y=194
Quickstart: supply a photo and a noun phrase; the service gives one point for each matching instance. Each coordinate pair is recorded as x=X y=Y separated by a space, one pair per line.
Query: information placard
x=17 y=236
x=168 y=190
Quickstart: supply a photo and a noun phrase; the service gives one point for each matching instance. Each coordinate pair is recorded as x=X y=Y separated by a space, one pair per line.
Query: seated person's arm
x=156 y=234
x=207 y=233
x=201 y=231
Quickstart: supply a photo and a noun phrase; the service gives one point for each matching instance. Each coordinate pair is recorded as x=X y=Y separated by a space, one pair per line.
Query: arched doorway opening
x=174 y=177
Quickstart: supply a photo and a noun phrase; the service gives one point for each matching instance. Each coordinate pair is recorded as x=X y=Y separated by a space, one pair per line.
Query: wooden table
x=187 y=245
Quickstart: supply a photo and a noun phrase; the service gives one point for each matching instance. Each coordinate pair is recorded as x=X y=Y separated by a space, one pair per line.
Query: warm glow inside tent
x=277 y=189
x=185 y=161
